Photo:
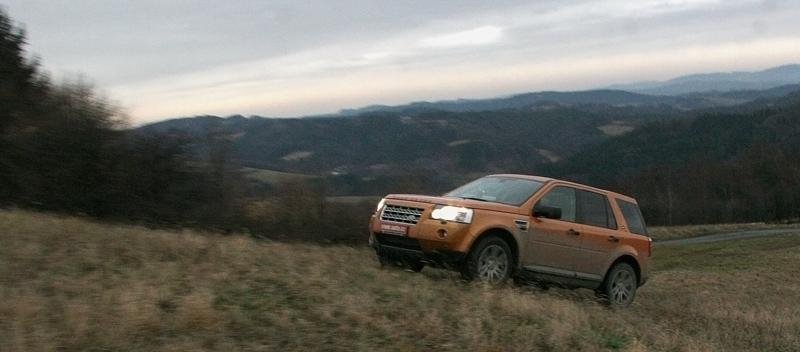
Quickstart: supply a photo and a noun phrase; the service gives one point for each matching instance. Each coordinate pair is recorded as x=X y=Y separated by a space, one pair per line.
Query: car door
x=553 y=243
x=599 y=235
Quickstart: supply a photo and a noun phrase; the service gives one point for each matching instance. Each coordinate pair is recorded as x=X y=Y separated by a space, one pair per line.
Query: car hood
x=467 y=203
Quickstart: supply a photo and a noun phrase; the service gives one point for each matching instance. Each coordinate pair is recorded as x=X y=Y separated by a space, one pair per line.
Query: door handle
x=613 y=239
x=573 y=232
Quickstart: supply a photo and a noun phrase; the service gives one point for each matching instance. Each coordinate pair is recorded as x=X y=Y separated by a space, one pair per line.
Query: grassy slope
x=661 y=233
x=75 y=285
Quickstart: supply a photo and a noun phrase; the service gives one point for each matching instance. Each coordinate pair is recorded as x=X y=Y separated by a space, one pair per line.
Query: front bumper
x=432 y=235
x=435 y=242
x=407 y=248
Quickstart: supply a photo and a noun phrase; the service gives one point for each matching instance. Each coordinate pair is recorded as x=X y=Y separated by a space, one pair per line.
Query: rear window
x=633 y=217
x=593 y=209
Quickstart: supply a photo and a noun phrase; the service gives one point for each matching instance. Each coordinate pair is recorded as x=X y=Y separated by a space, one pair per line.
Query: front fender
x=479 y=228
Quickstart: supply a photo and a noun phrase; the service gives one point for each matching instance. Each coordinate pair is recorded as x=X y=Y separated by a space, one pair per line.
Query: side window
x=633 y=216
x=593 y=209
x=561 y=197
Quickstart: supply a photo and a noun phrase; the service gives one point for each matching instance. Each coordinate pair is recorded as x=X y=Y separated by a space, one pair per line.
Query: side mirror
x=547 y=212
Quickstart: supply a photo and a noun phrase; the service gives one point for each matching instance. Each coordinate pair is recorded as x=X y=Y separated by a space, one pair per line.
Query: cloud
x=377 y=55
x=310 y=95
x=473 y=37
x=166 y=59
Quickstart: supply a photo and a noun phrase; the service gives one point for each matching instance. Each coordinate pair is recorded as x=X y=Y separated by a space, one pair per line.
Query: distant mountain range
x=391 y=142
x=618 y=98
x=686 y=92
x=451 y=139
x=718 y=82
x=600 y=96
x=386 y=142
x=699 y=156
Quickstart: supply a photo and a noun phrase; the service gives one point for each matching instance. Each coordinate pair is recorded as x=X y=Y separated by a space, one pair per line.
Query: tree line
x=65 y=149
x=712 y=168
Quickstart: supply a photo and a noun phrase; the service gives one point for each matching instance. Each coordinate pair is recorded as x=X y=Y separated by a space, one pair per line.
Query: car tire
x=413 y=265
x=490 y=261
x=619 y=288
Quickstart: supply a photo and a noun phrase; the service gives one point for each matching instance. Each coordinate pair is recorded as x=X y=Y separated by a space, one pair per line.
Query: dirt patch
x=615 y=128
x=549 y=155
x=295 y=156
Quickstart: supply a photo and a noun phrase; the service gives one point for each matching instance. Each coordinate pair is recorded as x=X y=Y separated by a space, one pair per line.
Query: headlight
x=451 y=213
x=380 y=205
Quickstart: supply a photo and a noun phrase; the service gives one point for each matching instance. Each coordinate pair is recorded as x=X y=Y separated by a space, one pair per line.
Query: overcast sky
x=161 y=59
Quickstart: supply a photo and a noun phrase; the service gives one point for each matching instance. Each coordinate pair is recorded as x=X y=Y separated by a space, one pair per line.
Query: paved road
x=730 y=236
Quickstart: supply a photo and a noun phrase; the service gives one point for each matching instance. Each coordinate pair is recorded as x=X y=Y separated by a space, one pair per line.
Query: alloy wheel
x=493 y=264
x=622 y=288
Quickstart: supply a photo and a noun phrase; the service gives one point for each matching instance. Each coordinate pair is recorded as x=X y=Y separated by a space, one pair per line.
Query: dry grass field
x=661 y=233
x=74 y=285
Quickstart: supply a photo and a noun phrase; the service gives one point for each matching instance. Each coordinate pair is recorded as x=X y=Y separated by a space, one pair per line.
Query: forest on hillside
x=711 y=168
x=65 y=149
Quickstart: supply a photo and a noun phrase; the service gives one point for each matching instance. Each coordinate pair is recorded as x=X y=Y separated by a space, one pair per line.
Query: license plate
x=394 y=229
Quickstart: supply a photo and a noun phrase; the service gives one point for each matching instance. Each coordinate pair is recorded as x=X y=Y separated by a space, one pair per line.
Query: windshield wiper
x=475 y=198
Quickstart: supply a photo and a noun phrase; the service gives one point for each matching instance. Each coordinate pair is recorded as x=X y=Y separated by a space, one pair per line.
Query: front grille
x=406 y=215
x=398 y=241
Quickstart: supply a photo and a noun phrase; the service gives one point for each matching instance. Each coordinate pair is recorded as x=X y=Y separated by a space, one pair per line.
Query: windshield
x=506 y=190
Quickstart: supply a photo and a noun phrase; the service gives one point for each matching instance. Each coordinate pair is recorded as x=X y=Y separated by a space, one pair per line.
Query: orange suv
x=527 y=228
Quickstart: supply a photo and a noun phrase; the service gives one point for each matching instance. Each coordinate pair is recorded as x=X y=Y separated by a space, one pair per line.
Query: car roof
x=548 y=179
